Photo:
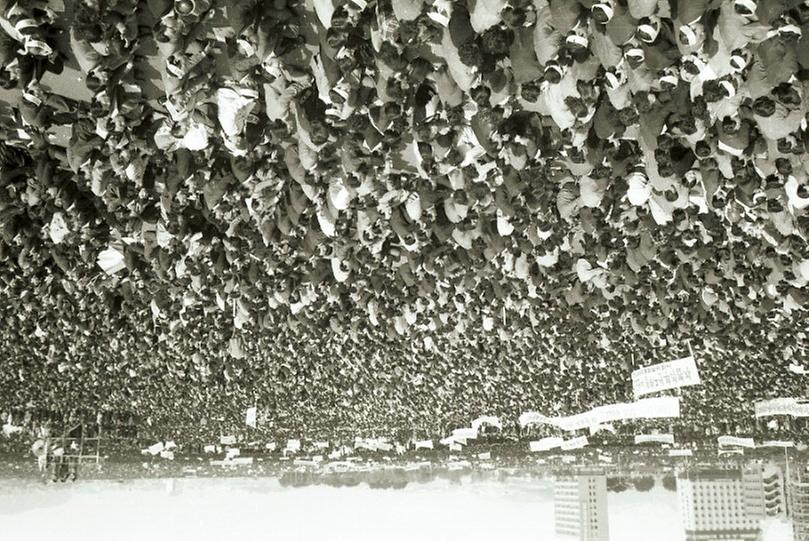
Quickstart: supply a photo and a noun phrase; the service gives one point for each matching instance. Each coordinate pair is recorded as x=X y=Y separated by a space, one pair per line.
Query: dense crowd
x=375 y=213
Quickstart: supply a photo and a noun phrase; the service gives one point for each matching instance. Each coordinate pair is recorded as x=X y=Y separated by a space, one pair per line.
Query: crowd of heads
x=365 y=210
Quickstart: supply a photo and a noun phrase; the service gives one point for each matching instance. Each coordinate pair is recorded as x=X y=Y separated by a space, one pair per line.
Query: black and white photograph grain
x=435 y=270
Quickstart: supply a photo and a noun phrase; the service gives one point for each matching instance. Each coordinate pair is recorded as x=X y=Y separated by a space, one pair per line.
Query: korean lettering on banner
x=664 y=376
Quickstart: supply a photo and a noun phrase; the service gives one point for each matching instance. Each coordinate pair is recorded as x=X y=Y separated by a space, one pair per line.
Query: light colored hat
x=649 y=31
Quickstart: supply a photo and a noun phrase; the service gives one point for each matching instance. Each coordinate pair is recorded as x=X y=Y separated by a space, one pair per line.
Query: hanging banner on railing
x=736 y=442
x=663 y=376
x=777 y=443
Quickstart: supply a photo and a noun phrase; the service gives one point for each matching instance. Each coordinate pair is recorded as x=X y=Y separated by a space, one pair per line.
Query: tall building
x=722 y=505
x=775 y=498
x=798 y=500
x=580 y=508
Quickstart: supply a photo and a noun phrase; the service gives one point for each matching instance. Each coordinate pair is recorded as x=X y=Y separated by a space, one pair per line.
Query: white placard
x=736 y=442
x=293 y=445
x=250 y=416
x=156 y=449
x=227 y=440
x=663 y=376
x=210 y=449
x=654 y=438
x=424 y=444
x=455 y=447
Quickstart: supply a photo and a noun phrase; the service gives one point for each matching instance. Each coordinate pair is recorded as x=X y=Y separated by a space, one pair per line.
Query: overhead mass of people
x=370 y=212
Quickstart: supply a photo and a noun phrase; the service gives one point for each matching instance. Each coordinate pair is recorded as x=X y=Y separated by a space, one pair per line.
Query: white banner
x=449 y=440
x=646 y=408
x=654 y=438
x=465 y=433
x=737 y=442
x=575 y=443
x=372 y=444
x=680 y=452
x=545 y=444
x=777 y=443
x=425 y=444
x=534 y=418
x=782 y=406
x=664 y=376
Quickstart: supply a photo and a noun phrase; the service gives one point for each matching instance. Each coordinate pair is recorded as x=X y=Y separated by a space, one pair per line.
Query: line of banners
x=646 y=408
